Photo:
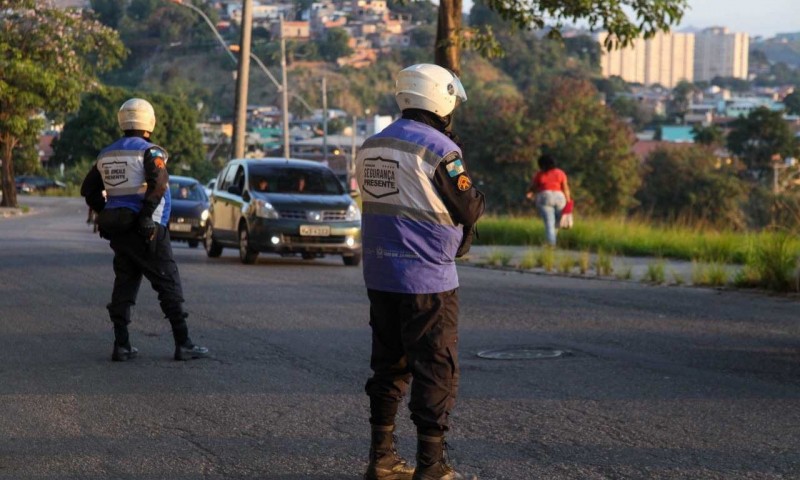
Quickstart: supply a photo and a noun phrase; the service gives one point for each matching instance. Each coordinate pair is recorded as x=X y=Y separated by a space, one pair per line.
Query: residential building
x=665 y=59
x=720 y=53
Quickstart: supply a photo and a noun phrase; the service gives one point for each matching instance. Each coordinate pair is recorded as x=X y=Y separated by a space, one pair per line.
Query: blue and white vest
x=121 y=165
x=409 y=239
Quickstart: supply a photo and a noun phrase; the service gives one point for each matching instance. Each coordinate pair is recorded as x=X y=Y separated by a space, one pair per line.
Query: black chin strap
x=428 y=118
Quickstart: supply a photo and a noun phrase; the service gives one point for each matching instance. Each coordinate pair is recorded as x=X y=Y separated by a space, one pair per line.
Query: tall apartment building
x=665 y=59
x=719 y=53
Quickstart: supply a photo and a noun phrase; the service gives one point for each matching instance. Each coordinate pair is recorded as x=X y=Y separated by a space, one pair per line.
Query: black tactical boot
x=123 y=353
x=431 y=461
x=188 y=351
x=384 y=461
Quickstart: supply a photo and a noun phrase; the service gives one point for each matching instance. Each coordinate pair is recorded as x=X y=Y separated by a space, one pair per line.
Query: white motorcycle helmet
x=137 y=114
x=429 y=87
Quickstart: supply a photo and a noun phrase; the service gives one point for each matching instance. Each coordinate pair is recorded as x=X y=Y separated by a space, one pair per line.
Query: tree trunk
x=448 y=50
x=7 y=172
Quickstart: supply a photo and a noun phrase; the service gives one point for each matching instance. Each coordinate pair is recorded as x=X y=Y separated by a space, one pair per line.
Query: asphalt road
x=656 y=382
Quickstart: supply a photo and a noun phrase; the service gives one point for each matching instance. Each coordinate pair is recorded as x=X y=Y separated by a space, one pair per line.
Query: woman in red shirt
x=551 y=189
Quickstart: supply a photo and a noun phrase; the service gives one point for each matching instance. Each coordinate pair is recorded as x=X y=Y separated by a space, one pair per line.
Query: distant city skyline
x=765 y=18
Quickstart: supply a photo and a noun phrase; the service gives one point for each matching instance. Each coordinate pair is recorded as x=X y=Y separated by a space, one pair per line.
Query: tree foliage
x=95 y=127
x=590 y=143
x=335 y=44
x=711 y=135
x=625 y=20
x=48 y=57
x=495 y=126
x=792 y=102
x=762 y=138
x=690 y=184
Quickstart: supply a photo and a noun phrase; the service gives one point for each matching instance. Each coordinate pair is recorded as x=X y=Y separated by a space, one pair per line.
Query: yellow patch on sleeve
x=160 y=163
x=464 y=183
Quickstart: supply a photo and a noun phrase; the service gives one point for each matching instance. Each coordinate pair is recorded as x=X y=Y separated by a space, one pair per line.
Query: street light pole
x=210 y=24
x=244 y=72
x=242 y=79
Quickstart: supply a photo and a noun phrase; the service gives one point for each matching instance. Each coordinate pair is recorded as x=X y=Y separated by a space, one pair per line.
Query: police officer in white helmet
x=419 y=209
x=133 y=172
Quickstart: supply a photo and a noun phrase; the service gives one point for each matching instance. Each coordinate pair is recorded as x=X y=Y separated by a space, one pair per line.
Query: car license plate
x=180 y=227
x=315 y=230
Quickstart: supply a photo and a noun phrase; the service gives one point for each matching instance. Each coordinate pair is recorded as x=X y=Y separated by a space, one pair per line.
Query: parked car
x=210 y=186
x=289 y=207
x=190 y=206
x=35 y=183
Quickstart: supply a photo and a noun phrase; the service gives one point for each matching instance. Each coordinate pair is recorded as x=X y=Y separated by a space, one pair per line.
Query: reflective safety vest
x=121 y=165
x=409 y=240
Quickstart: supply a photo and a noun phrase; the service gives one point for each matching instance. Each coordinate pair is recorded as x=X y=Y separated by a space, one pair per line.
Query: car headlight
x=265 y=209
x=204 y=215
x=353 y=213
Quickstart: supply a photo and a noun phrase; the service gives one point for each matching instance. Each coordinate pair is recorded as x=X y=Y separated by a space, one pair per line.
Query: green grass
x=714 y=274
x=604 y=264
x=625 y=273
x=528 y=261
x=546 y=258
x=630 y=237
x=565 y=263
x=584 y=262
x=498 y=257
x=771 y=264
x=655 y=272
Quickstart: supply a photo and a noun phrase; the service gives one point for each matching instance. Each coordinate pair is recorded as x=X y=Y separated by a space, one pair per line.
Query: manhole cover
x=520 y=353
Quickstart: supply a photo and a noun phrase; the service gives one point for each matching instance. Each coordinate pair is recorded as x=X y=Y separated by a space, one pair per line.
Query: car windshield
x=282 y=179
x=186 y=191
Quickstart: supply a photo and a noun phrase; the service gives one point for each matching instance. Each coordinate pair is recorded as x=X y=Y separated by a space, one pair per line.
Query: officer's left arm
x=157 y=178
x=464 y=202
x=92 y=190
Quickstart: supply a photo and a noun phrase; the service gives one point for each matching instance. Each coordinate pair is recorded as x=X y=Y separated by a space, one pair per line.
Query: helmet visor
x=457 y=90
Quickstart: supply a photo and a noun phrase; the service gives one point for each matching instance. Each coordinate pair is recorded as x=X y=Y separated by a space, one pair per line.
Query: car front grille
x=304 y=239
x=327 y=215
x=185 y=220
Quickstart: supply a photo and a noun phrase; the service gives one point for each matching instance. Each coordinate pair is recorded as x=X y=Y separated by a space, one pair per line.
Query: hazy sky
x=755 y=17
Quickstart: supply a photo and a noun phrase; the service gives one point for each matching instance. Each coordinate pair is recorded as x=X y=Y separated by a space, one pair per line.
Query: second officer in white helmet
x=133 y=173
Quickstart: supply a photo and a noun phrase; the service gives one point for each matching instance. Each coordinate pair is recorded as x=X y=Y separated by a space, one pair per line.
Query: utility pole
x=324 y=120
x=352 y=160
x=242 y=77
x=285 y=91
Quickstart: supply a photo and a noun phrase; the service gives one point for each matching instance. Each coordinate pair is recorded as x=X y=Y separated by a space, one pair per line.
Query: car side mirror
x=234 y=190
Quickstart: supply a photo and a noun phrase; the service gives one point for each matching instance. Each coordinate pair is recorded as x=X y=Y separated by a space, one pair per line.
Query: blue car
x=187 y=220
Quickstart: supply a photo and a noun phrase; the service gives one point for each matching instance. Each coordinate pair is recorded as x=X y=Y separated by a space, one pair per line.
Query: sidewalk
x=567 y=262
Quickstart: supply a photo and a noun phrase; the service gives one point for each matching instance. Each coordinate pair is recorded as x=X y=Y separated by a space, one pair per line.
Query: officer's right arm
x=92 y=190
x=157 y=178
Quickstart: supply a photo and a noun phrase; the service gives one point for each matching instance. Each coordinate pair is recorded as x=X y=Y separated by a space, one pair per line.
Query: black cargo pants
x=133 y=259
x=414 y=339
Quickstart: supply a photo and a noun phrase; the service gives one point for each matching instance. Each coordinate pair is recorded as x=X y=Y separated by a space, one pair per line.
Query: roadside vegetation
x=632 y=237
x=766 y=259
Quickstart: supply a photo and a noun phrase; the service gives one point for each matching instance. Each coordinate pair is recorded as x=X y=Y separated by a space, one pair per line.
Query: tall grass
x=630 y=237
x=714 y=274
x=655 y=272
x=771 y=264
x=499 y=257
x=604 y=263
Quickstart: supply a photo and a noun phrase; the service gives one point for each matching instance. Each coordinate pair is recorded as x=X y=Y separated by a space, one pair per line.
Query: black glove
x=146 y=227
x=466 y=241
